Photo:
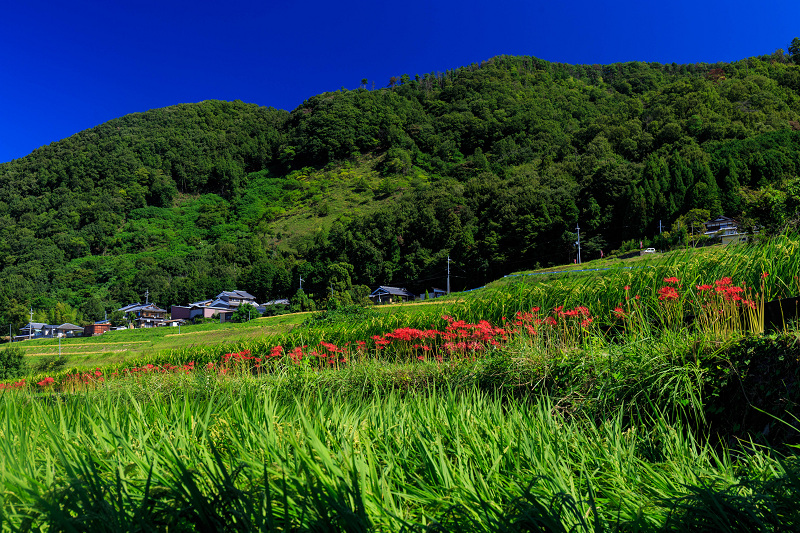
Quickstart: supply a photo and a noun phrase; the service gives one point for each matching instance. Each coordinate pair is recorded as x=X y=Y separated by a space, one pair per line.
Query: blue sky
x=69 y=66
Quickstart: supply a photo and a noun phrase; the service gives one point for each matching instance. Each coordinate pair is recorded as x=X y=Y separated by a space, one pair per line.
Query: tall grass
x=200 y=457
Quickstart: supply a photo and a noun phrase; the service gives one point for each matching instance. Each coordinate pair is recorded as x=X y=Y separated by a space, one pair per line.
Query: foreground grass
x=198 y=452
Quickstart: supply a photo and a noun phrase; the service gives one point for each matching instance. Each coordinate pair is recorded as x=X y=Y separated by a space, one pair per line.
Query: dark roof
x=69 y=327
x=140 y=307
x=237 y=294
x=394 y=291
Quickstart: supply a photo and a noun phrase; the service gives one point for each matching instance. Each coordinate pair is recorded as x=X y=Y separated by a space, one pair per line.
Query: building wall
x=178 y=311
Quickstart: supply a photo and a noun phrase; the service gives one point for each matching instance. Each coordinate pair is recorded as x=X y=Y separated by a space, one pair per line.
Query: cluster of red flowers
x=458 y=338
x=667 y=292
x=15 y=385
x=723 y=287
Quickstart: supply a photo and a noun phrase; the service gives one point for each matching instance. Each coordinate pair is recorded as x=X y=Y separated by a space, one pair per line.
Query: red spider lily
x=667 y=293
x=586 y=322
x=732 y=293
x=764 y=275
x=330 y=347
x=46 y=381
x=409 y=334
x=703 y=288
x=619 y=312
x=673 y=279
x=749 y=303
x=724 y=282
x=15 y=385
x=627 y=287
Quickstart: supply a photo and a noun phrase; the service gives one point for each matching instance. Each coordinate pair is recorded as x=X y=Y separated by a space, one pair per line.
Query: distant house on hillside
x=433 y=292
x=725 y=229
x=384 y=294
x=223 y=305
x=31 y=330
x=145 y=315
x=233 y=299
x=69 y=330
x=37 y=330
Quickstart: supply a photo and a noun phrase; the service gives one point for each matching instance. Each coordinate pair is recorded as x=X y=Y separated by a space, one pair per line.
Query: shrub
x=12 y=364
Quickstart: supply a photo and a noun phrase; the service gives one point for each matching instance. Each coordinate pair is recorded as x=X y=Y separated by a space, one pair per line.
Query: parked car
x=650 y=251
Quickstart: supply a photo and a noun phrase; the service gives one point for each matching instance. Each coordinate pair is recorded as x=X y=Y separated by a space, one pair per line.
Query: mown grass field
x=645 y=399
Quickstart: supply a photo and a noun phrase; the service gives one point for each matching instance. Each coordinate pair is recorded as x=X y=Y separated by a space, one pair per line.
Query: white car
x=650 y=251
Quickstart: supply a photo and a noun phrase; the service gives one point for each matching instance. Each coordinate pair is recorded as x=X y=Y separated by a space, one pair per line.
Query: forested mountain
x=493 y=164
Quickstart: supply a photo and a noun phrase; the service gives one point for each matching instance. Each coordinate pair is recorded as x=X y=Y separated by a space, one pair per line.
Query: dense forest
x=494 y=164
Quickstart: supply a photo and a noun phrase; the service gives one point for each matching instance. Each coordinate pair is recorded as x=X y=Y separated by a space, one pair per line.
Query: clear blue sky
x=69 y=66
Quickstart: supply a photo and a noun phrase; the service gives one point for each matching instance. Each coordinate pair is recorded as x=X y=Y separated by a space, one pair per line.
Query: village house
x=222 y=306
x=725 y=229
x=146 y=315
x=433 y=292
x=38 y=330
x=384 y=294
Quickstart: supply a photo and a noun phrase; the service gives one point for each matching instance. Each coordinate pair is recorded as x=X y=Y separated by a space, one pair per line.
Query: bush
x=12 y=364
x=51 y=363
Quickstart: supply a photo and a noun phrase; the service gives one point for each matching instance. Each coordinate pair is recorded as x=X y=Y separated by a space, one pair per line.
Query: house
x=234 y=299
x=69 y=330
x=37 y=330
x=384 y=294
x=98 y=328
x=31 y=330
x=223 y=305
x=433 y=292
x=725 y=229
x=146 y=315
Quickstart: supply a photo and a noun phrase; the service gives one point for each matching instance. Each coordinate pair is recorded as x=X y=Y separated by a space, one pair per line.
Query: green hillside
x=493 y=165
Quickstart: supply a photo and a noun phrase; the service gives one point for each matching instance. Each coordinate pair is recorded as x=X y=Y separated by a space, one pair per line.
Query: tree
x=117 y=319
x=692 y=221
x=244 y=313
x=92 y=310
x=794 y=50
x=301 y=302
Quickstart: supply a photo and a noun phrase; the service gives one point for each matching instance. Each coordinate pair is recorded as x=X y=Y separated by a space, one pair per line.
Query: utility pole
x=659 y=226
x=30 y=326
x=578 y=228
x=301 y=281
x=448 y=273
